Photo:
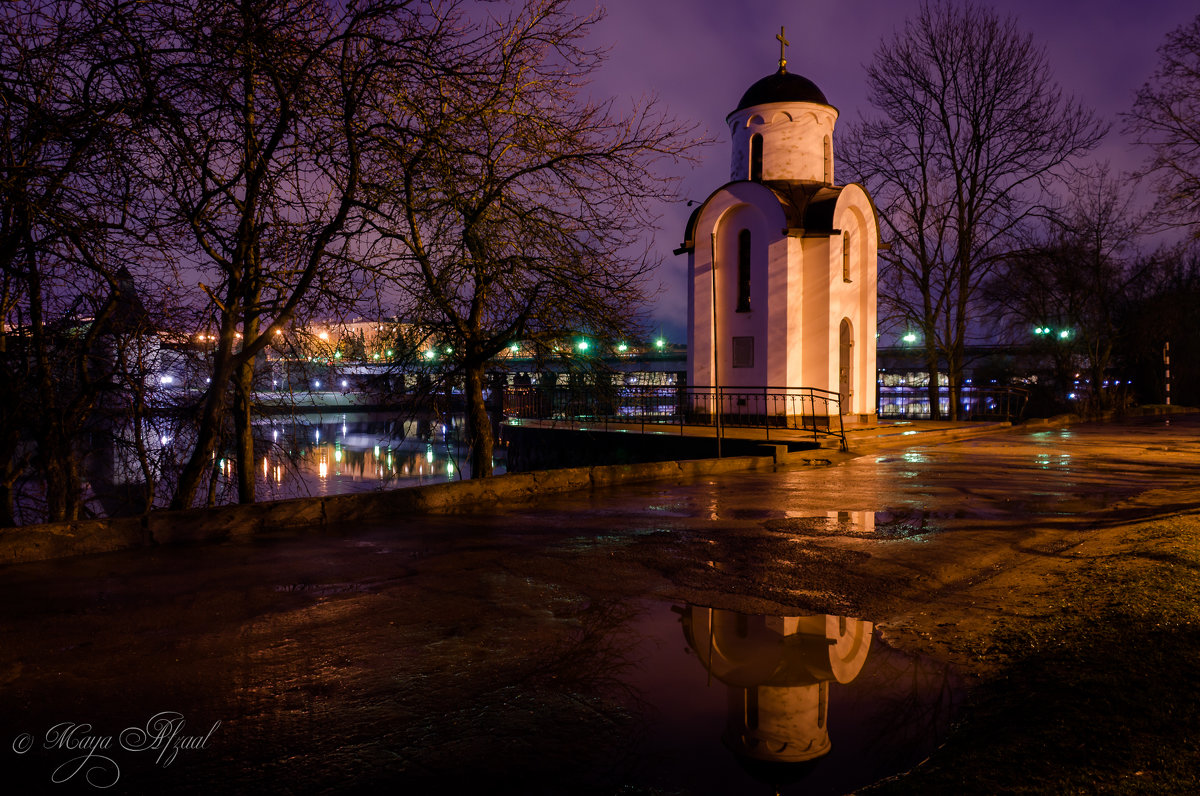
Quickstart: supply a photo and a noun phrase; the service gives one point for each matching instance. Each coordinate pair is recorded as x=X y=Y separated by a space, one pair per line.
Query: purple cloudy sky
x=698 y=56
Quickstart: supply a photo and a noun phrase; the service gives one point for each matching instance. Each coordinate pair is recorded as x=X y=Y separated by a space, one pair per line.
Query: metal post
x=841 y=425
x=1167 y=365
x=712 y=270
x=813 y=403
x=766 y=413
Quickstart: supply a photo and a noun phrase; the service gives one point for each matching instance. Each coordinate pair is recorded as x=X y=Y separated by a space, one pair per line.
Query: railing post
x=718 y=419
x=766 y=413
x=813 y=393
x=841 y=425
x=642 y=413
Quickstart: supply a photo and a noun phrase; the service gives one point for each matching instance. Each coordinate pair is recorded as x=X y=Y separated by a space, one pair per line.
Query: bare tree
x=514 y=206
x=1161 y=309
x=257 y=110
x=1166 y=118
x=972 y=133
x=1070 y=286
x=66 y=183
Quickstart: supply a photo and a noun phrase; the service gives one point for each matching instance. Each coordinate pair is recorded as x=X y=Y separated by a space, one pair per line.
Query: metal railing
x=804 y=409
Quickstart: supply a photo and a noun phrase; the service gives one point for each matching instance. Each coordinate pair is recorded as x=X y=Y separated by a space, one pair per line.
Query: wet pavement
x=729 y=635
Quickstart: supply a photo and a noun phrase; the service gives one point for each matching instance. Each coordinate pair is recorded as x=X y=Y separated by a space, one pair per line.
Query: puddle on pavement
x=814 y=704
x=898 y=523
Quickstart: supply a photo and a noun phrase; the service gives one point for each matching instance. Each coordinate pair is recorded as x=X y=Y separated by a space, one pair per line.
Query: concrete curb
x=60 y=540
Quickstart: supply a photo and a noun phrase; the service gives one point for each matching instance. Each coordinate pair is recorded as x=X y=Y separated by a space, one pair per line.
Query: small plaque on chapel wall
x=743 y=352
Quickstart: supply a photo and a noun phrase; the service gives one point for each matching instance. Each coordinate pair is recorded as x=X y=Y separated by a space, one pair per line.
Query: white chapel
x=789 y=256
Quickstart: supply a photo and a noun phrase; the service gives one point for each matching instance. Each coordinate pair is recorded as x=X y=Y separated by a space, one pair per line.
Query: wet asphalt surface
x=505 y=651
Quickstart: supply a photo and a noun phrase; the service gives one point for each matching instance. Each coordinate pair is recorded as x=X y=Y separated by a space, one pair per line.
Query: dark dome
x=782 y=87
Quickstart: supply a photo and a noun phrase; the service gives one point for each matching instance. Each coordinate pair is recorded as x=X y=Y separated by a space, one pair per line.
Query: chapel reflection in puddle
x=777 y=670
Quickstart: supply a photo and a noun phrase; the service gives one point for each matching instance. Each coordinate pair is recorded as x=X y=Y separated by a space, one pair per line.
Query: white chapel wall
x=794 y=135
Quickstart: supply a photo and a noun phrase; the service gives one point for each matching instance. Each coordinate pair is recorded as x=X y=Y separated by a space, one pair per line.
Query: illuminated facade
x=782 y=262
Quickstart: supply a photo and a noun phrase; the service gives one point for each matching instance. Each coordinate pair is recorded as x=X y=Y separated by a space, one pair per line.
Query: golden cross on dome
x=783 y=42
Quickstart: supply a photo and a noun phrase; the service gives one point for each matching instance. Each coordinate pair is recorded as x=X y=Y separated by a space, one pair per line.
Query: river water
x=298 y=454
x=344 y=452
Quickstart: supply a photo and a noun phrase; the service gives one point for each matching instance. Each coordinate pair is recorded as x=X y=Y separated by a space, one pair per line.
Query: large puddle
x=645 y=698
x=812 y=704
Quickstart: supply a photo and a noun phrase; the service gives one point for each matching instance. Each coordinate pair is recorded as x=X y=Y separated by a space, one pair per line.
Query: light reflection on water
x=331 y=454
x=805 y=704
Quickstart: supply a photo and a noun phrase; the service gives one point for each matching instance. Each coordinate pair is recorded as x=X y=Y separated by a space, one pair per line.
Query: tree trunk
x=243 y=430
x=934 y=389
x=211 y=498
x=479 y=425
x=954 y=371
x=7 y=505
x=10 y=471
x=60 y=474
x=212 y=414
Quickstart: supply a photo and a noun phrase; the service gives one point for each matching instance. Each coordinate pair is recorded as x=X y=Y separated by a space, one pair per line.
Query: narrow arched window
x=743 y=301
x=756 y=155
x=846 y=257
x=828 y=161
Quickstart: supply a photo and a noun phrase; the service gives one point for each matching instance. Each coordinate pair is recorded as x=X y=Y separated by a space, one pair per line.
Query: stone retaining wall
x=58 y=540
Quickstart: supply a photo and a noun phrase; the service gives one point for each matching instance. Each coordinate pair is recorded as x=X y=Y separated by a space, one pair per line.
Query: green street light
x=909 y=338
x=430 y=354
x=660 y=343
x=622 y=348
x=582 y=345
